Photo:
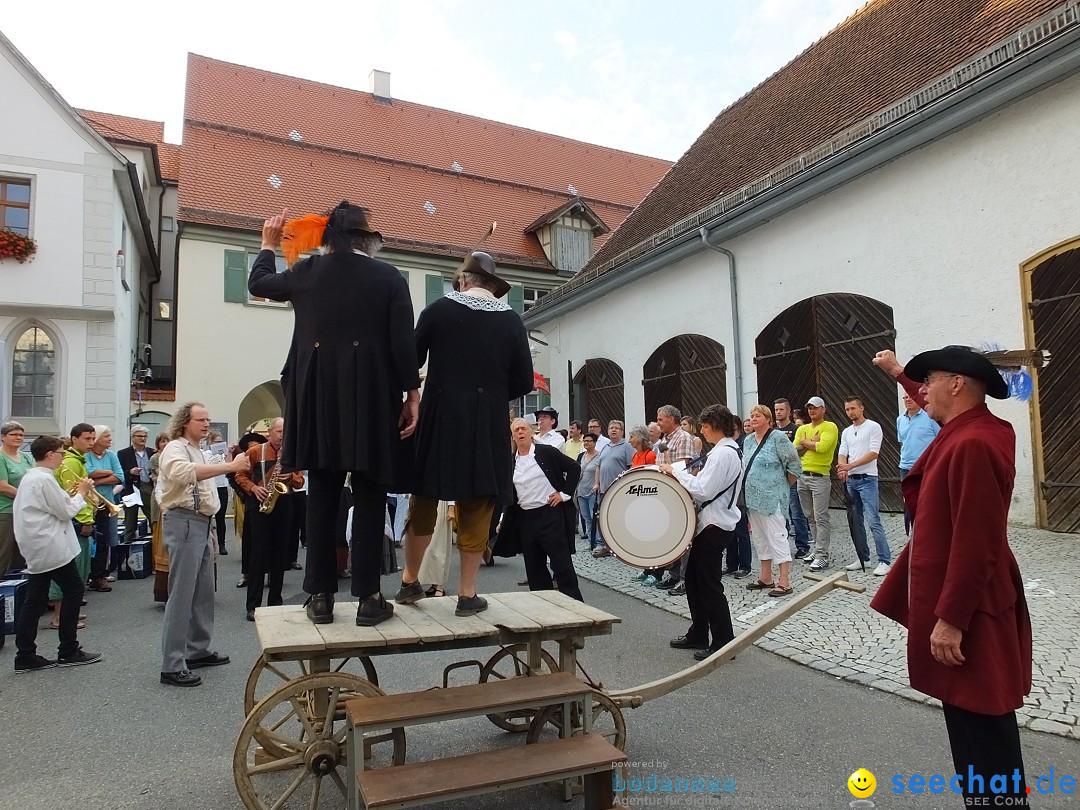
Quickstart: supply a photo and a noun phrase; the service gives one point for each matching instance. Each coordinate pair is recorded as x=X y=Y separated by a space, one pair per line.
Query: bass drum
x=647 y=518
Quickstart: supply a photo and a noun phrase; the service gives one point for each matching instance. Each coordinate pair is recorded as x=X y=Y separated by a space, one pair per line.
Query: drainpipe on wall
x=736 y=348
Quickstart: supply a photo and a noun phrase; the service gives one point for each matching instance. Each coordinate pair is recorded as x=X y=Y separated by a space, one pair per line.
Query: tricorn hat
x=483 y=265
x=959 y=360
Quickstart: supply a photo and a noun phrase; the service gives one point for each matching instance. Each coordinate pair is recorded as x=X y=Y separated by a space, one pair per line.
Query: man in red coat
x=956 y=586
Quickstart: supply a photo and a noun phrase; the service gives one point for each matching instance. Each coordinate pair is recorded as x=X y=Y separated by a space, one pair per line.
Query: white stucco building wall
x=938 y=235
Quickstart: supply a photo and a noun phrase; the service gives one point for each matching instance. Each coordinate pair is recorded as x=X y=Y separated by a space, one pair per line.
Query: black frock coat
x=478 y=360
x=351 y=359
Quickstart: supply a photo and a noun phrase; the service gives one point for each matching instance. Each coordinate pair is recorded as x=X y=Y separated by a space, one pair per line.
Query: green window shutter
x=516 y=298
x=433 y=286
x=236 y=277
x=543 y=396
x=404 y=275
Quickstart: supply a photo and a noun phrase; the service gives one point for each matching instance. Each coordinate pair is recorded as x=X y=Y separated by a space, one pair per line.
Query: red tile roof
x=121 y=127
x=879 y=55
x=393 y=158
x=169 y=158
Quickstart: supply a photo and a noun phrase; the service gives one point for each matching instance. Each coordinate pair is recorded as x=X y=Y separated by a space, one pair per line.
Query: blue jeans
x=586 y=506
x=863 y=505
x=798 y=519
x=907 y=514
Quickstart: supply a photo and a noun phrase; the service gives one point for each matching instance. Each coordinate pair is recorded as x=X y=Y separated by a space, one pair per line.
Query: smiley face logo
x=862 y=784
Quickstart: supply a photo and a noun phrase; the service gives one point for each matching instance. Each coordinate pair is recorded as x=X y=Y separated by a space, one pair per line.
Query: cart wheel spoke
x=340 y=784
x=303 y=717
x=288 y=743
x=277 y=765
x=291 y=789
x=314 y=803
x=510 y=662
x=277 y=672
x=340 y=666
x=331 y=709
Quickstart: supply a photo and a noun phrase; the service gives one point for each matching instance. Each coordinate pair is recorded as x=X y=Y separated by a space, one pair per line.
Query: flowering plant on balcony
x=16 y=246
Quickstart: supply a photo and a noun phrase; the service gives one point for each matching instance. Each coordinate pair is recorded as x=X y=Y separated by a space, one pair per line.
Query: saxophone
x=275 y=486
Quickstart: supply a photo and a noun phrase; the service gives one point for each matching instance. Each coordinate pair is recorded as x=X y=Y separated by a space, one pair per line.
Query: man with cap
x=547 y=419
x=478 y=359
x=956 y=586
x=816 y=443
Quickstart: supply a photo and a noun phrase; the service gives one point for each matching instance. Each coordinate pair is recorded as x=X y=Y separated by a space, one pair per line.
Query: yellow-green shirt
x=72 y=470
x=826 y=436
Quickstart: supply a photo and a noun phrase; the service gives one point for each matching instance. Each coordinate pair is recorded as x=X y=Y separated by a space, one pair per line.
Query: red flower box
x=16 y=246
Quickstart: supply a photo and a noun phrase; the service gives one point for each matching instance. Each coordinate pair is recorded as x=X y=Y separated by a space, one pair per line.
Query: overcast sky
x=636 y=75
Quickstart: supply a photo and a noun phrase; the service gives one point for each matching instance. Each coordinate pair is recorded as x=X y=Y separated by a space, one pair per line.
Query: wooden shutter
x=236 y=276
x=433 y=287
x=516 y=298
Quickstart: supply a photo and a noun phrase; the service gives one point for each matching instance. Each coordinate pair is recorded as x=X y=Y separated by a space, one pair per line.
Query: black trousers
x=35 y=598
x=131 y=513
x=299 y=527
x=985 y=745
x=543 y=537
x=219 y=518
x=709 y=611
x=369 y=520
x=104 y=535
x=269 y=554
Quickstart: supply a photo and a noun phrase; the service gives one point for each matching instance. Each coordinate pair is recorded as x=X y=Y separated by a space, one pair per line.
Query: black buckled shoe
x=374 y=610
x=320 y=608
x=182 y=678
x=212 y=659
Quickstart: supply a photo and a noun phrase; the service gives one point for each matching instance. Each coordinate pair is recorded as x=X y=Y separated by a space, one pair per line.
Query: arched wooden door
x=1052 y=289
x=598 y=392
x=689 y=372
x=823 y=346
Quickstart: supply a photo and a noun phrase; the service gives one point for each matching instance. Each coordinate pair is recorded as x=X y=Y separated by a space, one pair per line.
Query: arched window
x=33 y=383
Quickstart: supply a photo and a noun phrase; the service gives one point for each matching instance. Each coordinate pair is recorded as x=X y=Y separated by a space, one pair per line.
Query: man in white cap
x=816 y=443
x=547 y=419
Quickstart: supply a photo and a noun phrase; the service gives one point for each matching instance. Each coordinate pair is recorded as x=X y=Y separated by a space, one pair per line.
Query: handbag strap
x=730 y=487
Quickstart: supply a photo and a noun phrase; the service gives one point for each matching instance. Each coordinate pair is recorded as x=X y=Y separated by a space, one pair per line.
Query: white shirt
x=858 y=440
x=722 y=470
x=602 y=442
x=43 y=515
x=552 y=438
x=533 y=488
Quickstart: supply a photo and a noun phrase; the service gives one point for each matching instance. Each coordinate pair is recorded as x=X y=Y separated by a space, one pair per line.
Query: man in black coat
x=351 y=385
x=543 y=519
x=135 y=461
x=478 y=360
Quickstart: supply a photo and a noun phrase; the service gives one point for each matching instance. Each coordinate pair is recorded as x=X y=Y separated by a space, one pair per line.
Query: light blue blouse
x=767 y=486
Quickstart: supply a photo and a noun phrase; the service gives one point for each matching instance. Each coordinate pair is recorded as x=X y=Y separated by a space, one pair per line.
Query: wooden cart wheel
x=304 y=720
x=512 y=662
x=274 y=674
x=607 y=721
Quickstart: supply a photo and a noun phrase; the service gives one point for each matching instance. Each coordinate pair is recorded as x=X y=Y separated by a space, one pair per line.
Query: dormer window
x=566 y=234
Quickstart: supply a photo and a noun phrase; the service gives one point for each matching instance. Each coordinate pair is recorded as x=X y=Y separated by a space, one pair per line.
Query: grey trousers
x=814 y=492
x=189 y=613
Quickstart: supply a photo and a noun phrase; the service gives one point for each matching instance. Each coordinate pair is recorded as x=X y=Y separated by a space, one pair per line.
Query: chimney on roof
x=380 y=85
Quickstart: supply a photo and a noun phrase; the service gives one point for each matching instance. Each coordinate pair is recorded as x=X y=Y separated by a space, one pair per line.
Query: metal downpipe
x=736 y=343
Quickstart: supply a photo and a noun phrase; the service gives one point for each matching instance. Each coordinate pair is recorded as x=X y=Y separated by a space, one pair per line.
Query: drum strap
x=733 y=488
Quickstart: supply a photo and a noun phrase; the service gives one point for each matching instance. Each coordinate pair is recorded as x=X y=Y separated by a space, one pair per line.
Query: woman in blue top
x=108 y=476
x=14 y=464
x=770 y=466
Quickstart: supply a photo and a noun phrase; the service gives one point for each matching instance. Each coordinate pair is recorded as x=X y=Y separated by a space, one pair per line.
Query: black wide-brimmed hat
x=547 y=410
x=959 y=360
x=482 y=264
x=246 y=440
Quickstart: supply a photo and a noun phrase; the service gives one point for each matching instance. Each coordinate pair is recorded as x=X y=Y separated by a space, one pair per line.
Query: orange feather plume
x=301 y=235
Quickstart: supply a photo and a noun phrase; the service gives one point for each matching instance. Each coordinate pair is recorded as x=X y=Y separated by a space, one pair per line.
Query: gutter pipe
x=736 y=344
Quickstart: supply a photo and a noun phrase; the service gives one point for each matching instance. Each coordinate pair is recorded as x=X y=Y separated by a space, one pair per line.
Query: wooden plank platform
x=287 y=629
x=412 y=708
x=502 y=615
x=542 y=611
x=441 y=609
x=485 y=772
x=423 y=624
x=559 y=598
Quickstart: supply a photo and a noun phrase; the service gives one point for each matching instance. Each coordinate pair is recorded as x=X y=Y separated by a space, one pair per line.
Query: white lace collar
x=477 y=302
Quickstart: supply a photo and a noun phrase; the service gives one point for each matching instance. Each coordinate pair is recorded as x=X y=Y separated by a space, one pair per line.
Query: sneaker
x=882 y=569
x=375 y=610
x=802 y=554
x=79 y=658
x=667 y=583
x=470 y=605
x=858 y=565
x=110 y=578
x=819 y=564
x=680 y=589
x=649 y=581
x=33 y=663
x=742 y=573
x=601 y=551
x=809 y=557
x=242 y=583
x=407 y=594
x=640 y=577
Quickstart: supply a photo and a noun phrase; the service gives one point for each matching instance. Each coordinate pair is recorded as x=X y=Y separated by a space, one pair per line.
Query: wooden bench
x=587 y=755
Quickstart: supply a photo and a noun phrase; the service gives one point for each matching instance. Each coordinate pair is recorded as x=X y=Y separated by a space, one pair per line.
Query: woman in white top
x=714 y=491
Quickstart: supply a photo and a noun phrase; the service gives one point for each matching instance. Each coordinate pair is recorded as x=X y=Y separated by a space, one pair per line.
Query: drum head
x=647 y=518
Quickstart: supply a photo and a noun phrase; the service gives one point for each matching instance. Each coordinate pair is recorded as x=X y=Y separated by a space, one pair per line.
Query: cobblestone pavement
x=840 y=635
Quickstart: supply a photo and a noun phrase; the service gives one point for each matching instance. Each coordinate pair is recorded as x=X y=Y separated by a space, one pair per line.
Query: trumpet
x=93 y=497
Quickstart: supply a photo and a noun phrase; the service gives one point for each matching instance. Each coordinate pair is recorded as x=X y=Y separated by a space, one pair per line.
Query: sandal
x=433 y=591
x=758 y=585
x=780 y=590
x=80 y=626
